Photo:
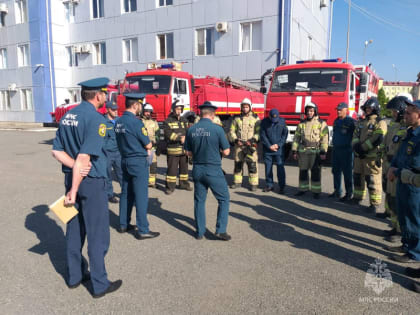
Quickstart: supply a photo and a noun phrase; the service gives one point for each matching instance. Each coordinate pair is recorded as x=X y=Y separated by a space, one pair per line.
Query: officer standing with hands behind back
x=134 y=145
x=78 y=146
x=204 y=142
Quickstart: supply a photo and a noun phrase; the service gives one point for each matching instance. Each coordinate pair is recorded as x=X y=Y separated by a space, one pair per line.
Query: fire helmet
x=311 y=105
x=246 y=101
x=398 y=103
x=175 y=104
x=148 y=108
x=373 y=104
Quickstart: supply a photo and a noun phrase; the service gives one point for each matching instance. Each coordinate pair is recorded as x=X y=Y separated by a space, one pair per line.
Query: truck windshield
x=314 y=80
x=149 y=84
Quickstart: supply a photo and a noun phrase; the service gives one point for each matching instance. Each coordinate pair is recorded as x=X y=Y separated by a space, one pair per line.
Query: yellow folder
x=64 y=213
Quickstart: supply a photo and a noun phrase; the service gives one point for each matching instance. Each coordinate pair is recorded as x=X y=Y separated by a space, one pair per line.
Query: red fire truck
x=165 y=83
x=325 y=82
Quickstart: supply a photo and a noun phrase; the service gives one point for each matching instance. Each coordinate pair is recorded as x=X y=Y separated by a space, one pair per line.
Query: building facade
x=392 y=89
x=47 y=46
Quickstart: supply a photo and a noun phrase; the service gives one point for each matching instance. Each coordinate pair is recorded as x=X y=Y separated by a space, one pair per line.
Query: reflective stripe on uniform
x=183 y=177
x=171 y=179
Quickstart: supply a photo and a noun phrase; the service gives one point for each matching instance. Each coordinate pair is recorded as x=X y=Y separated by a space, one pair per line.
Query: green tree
x=383 y=100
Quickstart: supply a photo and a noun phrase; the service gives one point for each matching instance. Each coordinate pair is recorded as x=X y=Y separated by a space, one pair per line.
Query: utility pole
x=348 y=33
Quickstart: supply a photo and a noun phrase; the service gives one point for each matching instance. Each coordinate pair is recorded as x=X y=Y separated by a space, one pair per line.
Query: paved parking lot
x=286 y=255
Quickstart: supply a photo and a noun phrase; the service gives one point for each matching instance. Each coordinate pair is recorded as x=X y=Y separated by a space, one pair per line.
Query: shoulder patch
x=144 y=131
x=102 y=130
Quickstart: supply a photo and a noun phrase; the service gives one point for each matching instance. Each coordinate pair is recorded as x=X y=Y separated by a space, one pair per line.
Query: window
x=165 y=46
x=23 y=55
x=251 y=34
x=97 y=9
x=99 y=53
x=74 y=96
x=130 y=6
x=3 y=58
x=180 y=86
x=73 y=57
x=70 y=10
x=21 y=11
x=204 y=41
x=4 y=100
x=130 y=53
x=164 y=3
x=149 y=84
x=26 y=99
x=2 y=19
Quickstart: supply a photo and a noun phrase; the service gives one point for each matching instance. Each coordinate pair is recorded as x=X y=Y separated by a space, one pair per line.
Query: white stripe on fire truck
x=298 y=107
x=307 y=100
x=235 y=105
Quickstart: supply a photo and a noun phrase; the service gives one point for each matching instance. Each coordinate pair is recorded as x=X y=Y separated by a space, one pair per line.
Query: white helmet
x=246 y=101
x=407 y=95
x=148 y=107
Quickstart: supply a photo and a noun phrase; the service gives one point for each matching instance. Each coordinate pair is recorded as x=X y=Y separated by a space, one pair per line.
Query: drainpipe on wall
x=49 y=52
x=279 y=33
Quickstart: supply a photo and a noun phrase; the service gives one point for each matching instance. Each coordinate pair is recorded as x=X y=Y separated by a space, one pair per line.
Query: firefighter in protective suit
x=310 y=146
x=244 y=133
x=175 y=130
x=397 y=131
x=152 y=128
x=367 y=146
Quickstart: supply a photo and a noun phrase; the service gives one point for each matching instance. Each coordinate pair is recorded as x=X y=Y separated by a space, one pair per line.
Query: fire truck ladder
x=241 y=84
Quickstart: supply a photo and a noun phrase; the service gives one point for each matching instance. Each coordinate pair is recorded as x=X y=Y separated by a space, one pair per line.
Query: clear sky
x=394 y=27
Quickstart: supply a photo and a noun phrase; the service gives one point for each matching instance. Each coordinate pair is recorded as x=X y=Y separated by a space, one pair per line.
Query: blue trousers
x=113 y=163
x=135 y=190
x=269 y=160
x=212 y=177
x=93 y=222
x=342 y=163
x=408 y=205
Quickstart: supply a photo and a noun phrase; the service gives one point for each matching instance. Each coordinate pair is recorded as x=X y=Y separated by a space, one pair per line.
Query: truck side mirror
x=263 y=89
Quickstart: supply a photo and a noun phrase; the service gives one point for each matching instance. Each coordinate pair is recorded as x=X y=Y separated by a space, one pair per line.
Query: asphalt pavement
x=287 y=255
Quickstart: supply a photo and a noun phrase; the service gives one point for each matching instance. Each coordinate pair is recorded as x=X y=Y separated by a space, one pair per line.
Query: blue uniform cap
x=413 y=103
x=207 y=105
x=111 y=105
x=135 y=96
x=342 y=105
x=274 y=115
x=99 y=84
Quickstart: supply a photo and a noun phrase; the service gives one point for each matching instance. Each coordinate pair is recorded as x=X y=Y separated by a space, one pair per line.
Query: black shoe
x=316 y=196
x=412 y=272
x=355 y=201
x=281 y=190
x=199 y=237
x=371 y=209
x=268 y=189
x=113 y=199
x=393 y=238
x=145 y=236
x=188 y=188
x=233 y=186
x=85 y=278
x=223 y=236
x=346 y=198
x=416 y=287
x=334 y=195
x=123 y=229
x=390 y=232
x=253 y=188
x=113 y=286
x=169 y=191
x=382 y=215
x=403 y=259
x=300 y=193
x=395 y=249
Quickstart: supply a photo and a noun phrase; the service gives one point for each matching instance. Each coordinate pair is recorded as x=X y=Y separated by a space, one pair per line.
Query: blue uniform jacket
x=131 y=136
x=205 y=140
x=110 y=138
x=273 y=133
x=82 y=130
x=343 y=133
x=408 y=155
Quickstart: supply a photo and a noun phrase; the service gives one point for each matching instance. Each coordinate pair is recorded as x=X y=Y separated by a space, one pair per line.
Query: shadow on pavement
x=51 y=238
x=280 y=225
x=47 y=142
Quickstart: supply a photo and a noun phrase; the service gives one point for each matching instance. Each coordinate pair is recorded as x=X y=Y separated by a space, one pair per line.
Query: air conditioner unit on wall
x=323 y=3
x=222 y=27
x=3 y=8
x=12 y=87
x=85 y=48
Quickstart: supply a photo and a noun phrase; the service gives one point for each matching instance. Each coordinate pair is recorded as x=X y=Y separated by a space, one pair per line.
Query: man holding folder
x=79 y=146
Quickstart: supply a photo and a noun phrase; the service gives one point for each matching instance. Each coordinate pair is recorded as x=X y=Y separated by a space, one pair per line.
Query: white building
x=47 y=46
